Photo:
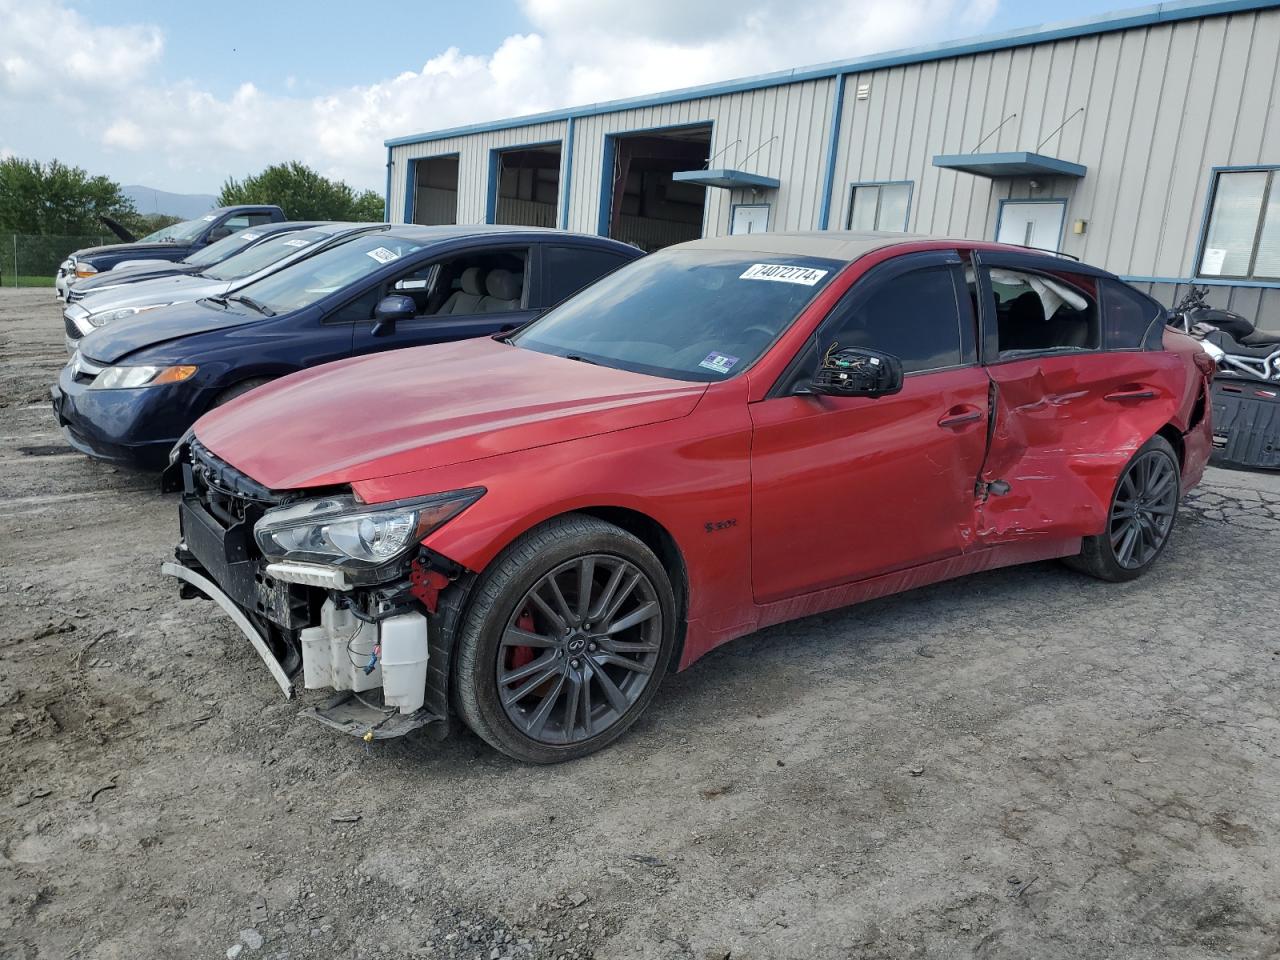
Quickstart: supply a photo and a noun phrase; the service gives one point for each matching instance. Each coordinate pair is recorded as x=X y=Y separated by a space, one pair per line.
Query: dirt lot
x=1021 y=764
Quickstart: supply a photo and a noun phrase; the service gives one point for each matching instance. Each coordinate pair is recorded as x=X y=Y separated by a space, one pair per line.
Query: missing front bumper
x=229 y=607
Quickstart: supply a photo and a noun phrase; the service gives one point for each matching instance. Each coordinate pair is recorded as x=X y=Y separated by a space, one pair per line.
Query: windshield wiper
x=262 y=308
x=574 y=356
x=221 y=300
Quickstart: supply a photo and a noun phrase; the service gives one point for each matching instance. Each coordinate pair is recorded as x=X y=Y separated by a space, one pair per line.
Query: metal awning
x=1019 y=163
x=727 y=179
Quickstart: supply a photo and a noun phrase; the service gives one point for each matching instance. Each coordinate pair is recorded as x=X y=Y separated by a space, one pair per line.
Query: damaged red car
x=529 y=531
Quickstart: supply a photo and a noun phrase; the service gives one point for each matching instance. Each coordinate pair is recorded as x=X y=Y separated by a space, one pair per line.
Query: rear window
x=264 y=254
x=566 y=270
x=701 y=315
x=1129 y=315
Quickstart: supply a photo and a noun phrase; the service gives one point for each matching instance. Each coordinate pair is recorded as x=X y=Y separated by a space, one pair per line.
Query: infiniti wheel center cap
x=576 y=644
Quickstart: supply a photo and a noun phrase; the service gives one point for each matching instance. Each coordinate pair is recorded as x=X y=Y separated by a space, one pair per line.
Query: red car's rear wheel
x=566 y=640
x=1144 y=507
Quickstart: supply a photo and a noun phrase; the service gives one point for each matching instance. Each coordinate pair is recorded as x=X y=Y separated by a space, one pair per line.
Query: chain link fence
x=31 y=260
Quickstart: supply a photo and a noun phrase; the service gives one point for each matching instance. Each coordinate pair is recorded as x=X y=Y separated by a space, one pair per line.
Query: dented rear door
x=1066 y=418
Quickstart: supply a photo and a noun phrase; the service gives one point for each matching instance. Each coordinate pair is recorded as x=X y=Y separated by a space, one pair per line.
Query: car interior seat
x=503 y=288
x=1023 y=326
x=468 y=298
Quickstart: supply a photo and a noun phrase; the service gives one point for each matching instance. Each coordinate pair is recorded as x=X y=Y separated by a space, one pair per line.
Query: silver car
x=114 y=303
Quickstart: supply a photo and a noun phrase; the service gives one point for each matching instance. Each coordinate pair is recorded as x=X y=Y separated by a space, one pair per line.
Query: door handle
x=959 y=416
x=1131 y=393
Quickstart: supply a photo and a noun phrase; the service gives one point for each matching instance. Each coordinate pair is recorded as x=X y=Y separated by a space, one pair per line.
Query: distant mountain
x=184 y=205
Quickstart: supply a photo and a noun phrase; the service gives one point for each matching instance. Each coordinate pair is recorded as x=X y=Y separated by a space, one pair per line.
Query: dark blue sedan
x=134 y=386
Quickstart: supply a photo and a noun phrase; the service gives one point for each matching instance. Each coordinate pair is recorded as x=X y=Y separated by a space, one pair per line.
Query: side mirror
x=390 y=311
x=857 y=372
x=219 y=233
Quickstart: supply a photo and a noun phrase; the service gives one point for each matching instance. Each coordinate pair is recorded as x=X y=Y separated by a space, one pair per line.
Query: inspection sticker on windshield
x=296 y=242
x=250 y=236
x=383 y=255
x=209 y=217
x=719 y=362
x=783 y=273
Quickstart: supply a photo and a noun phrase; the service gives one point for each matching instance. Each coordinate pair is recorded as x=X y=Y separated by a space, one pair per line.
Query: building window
x=880 y=206
x=1242 y=239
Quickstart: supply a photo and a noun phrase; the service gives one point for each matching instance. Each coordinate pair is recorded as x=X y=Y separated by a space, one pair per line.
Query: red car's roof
x=844 y=245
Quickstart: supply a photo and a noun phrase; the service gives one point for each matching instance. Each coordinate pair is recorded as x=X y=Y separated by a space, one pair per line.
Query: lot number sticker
x=296 y=242
x=250 y=236
x=782 y=273
x=719 y=362
x=383 y=255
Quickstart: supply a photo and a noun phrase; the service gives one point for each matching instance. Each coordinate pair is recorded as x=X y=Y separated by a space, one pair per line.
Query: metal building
x=1147 y=142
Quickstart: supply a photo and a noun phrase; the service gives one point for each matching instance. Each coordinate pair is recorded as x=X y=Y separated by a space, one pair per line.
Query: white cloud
x=579 y=51
x=47 y=49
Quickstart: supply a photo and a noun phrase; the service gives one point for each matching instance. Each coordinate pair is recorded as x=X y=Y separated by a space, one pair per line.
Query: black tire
x=239 y=390
x=1112 y=554
x=502 y=607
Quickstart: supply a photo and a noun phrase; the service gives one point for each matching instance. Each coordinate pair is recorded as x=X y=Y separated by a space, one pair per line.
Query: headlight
x=107 y=316
x=342 y=532
x=84 y=269
x=119 y=378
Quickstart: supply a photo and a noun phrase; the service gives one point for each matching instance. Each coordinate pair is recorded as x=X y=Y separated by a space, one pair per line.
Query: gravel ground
x=1024 y=763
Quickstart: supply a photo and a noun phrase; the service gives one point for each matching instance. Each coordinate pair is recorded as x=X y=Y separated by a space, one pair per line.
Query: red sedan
x=530 y=531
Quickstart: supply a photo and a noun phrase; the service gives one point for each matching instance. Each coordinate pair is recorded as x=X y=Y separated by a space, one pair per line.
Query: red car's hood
x=413 y=409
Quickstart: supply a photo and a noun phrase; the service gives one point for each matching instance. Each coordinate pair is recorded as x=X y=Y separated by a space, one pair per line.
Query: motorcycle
x=1246 y=414
x=1239 y=348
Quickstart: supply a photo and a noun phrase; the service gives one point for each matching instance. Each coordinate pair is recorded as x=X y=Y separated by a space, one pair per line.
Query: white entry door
x=750 y=218
x=1032 y=224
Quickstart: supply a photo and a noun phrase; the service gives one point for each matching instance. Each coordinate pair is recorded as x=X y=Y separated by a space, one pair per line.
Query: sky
x=179 y=96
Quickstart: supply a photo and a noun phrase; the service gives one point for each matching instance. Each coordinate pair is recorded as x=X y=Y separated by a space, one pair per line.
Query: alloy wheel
x=579 y=649
x=1142 y=514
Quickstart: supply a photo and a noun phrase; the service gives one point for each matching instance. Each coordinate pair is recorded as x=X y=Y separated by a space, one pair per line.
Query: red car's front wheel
x=566 y=640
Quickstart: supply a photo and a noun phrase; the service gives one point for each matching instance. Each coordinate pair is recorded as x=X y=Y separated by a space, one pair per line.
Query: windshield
x=264 y=254
x=226 y=247
x=303 y=283
x=687 y=314
x=177 y=232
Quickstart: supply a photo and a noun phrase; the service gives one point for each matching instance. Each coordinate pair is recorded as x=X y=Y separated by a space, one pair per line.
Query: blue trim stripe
x=386 y=196
x=567 y=180
x=1205 y=282
x=1125 y=20
x=833 y=152
x=410 y=179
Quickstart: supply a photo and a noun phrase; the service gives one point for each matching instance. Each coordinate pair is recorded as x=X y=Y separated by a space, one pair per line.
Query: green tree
x=303 y=193
x=52 y=198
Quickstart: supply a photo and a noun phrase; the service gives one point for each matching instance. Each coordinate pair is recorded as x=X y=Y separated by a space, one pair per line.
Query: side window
x=359 y=310
x=239 y=222
x=258 y=219
x=566 y=270
x=485 y=281
x=1128 y=316
x=914 y=316
x=1037 y=312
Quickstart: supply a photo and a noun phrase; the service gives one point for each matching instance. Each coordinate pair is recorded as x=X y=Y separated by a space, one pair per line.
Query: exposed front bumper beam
x=214 y=593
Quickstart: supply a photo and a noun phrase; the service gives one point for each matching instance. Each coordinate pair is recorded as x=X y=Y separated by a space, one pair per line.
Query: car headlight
x=121 y=378
x=84 y=269
x=341 y=532
x=108 y=316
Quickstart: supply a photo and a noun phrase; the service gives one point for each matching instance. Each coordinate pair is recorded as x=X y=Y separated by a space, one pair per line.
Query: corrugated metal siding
x=1259 y=304
x=1149 y=111
x=1161 y=106
x=473 y=165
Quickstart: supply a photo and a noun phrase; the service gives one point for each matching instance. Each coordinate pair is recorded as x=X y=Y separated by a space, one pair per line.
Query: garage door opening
x=527 y=181
x=435 y=190
x=646 y=206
